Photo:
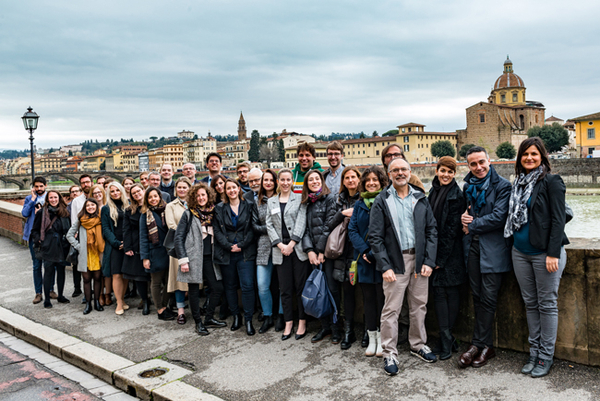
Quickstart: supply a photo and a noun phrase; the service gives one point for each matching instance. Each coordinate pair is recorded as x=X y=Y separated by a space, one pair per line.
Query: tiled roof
x=594 y=116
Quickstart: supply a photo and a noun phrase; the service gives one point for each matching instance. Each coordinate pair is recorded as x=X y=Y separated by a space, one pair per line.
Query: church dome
x=508 y=79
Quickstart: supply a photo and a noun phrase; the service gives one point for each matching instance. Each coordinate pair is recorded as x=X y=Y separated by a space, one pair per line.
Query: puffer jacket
x=55 y=246
x=335 y=217
x=317 y=231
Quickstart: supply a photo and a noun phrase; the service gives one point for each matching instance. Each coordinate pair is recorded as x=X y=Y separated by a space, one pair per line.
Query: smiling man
x=306 y=162
x=333 y=175
x=189 y=170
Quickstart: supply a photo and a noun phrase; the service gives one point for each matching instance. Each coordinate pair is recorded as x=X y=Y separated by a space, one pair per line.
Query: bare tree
x=267 y=154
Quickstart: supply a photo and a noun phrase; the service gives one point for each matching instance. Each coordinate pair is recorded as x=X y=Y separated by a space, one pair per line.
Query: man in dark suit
x=213 y=164
x=154 y=181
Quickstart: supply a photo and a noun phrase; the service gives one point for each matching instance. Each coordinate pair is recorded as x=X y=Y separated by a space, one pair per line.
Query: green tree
x=555 y=136
x=506 y=151
x=442 y=148
x=253 y=152
x=103 y=165
x=281 y=151
x=375 y=134
x=362 y=135
x=464 y=149
x=391 y=132
x=154 y=138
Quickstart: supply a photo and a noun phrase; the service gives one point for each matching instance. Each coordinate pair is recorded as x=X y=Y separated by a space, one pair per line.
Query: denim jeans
x=239 y=271
x=37 y=270
x=263 y=279
x=180 y=298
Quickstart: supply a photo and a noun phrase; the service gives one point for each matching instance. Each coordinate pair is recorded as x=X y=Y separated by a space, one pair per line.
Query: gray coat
x=259 y=225
x=76 y=243
x=294 y=217
x=190 y=249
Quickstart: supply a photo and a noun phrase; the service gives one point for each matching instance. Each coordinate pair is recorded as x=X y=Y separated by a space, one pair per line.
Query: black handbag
x=72 y=256
x=169 y=243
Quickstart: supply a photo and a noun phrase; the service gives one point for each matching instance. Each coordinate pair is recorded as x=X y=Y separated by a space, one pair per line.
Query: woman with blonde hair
x=112 y=215
x=173 y=213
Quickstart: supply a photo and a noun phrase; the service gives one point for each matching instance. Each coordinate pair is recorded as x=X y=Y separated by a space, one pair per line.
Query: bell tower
x=241 y=128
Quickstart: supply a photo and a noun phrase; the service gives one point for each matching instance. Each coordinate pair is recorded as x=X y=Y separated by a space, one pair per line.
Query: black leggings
x=349 y=300
x=447 y=303
x=216 y=289
x=292 y=275
x=49 y=269
x=142 y=289
x=87 y=284
x=373 y=300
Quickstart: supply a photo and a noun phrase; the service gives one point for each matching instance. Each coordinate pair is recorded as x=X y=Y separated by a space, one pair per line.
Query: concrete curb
x=109 y=367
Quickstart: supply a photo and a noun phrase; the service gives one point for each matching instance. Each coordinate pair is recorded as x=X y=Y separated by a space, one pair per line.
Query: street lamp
x=30 y=121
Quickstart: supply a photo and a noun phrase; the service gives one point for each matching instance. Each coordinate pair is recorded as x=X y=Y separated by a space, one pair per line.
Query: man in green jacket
x=306 y=162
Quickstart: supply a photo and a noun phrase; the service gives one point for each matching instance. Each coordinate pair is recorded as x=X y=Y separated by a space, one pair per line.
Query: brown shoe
x=486 y=354
x=101 y=299
x=181 y=319
x=108 y=300
x=38 y=298
x=467 y=358
x=53 y=295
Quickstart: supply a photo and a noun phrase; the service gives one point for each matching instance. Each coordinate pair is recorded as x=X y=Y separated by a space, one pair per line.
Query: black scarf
x=437 y=197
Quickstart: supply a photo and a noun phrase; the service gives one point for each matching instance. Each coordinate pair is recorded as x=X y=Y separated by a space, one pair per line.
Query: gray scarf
x=520 y=194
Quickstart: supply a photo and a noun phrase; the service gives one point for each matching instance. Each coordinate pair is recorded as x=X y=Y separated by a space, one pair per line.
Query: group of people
x=264 y=232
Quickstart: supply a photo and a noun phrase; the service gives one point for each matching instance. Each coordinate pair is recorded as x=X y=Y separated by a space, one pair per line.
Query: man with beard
x=333 y=175
x=33 y=203
x=85 y=182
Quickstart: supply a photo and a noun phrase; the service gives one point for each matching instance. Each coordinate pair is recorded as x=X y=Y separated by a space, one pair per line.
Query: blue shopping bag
x=316 y=297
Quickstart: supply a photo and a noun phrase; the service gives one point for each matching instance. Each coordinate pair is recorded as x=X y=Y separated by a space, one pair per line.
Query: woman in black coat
x=153 y=230
x=448 y=204
x=50 y=227
x=344 y=206
x=235 y=251
x=319 y=204
x=133 y=268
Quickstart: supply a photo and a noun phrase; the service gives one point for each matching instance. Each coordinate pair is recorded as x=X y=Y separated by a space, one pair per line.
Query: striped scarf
x=151 y=222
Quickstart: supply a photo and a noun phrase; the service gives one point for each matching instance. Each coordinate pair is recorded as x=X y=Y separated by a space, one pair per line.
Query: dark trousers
x=447 y=304
x=159 y=288
x=76 y=278
x=87 y=284
x=50 y=268
x=484 y=288
x=349 y=300
x=216 y=288
x=335 y=289
x=38 y=280
x=292 y=275
x=242 y=273
x=142 y=289
x=373 y=300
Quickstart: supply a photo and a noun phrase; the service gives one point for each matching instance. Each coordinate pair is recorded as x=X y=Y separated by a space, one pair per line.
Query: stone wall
x=11 y=221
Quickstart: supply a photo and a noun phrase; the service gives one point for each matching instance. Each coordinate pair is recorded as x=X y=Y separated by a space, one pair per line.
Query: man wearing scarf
x=33 y=203
x=487 y=254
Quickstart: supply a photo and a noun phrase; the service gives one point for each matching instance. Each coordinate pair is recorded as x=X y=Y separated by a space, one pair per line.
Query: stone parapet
x=11 y=221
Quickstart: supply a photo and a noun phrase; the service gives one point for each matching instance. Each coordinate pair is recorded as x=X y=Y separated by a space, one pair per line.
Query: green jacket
x=298 y=176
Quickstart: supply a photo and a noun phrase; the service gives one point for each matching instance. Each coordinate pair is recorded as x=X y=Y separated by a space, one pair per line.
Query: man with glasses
x=254 y=179
x=402 y=223
x=154 y=180
x=213 y=164
x=242 y=172
x=333 y=175
x=189 y=170
x=393 y=151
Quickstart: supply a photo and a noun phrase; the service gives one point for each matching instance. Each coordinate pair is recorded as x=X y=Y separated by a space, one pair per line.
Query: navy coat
x=156 y=253
x=357 y=232
x=495 y=250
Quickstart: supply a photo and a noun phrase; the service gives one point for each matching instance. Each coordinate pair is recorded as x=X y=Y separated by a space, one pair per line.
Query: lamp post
x=30 y=121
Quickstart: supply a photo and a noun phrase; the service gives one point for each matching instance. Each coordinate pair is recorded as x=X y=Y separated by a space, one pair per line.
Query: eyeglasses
x=397 y=170
x=96 y=193
x=393 y=155
x=74 y=191
x=336 y=154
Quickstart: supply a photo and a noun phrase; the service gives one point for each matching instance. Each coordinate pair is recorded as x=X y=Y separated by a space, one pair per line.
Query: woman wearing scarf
x=89 y=233
x=194 y=246
x=133 y=269
x=235 y=251
x=372 y=181
x=448 y=204
x=536 y=220
x=153 y=230
x=286 y=223
x=319 y=202
x=50 y=227
x=112 y=215
x=173 y=213
x=344 y=207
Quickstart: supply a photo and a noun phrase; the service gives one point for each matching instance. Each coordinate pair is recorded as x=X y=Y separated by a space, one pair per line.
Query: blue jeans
x=263 y=279
x=241 y=272
x=180 y=298
x=37 y=270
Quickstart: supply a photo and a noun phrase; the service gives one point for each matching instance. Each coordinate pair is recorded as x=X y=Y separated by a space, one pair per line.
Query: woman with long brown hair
x=48 y=233
x=218 y=186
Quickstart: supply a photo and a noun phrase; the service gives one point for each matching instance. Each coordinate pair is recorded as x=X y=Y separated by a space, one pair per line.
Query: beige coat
x=173 y=213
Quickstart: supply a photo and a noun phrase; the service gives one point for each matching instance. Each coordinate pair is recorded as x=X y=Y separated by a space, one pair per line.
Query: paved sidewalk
x=233 y=366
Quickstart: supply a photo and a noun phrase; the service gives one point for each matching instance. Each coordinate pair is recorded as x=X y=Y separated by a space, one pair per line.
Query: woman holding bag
x=536 y=220
x=343 y=210
x=372 y=182
x=286 y=223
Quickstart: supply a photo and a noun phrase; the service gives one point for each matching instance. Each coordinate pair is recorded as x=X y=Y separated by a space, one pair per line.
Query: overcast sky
x=135 y=69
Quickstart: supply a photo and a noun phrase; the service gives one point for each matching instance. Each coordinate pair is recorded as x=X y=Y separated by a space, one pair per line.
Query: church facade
x=504 y=117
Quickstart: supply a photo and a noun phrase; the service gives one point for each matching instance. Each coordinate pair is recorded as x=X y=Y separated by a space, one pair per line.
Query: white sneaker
x=379 y=352
x=372 y=348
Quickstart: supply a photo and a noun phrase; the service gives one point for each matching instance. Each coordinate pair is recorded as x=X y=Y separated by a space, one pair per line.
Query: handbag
x=336 y=240
x=316 y=297
x=353 y=272
x=72 y=256
x=169 y=243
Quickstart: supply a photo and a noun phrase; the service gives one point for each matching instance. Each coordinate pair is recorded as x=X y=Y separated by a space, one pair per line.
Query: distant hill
x=11 y=154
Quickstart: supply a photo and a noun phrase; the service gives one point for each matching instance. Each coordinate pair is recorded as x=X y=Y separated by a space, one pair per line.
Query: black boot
x=365 y=340
x=437 y=349
x=88 y=308
x=212 y=322
x=280 y=324
x=146 y=308
x=446 y=345
x=336 y=334
x=237 y=322
x=249 y=328
x=349 y=336
x=200 y=329
x=267 y=324
x=97 y=306
x=320 y=335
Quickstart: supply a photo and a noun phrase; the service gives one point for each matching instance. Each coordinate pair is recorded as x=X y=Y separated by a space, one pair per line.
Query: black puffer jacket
x=335 y=218
x=55 y=246
x=317 y=231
